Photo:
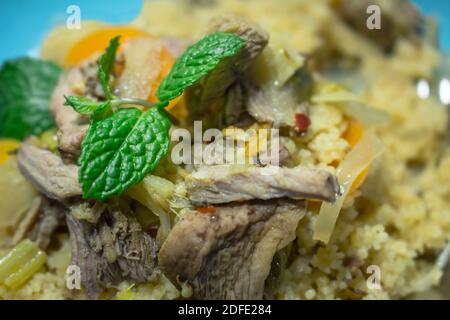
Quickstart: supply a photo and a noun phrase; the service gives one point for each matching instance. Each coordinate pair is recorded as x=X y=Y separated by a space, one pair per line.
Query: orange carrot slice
x=353 y=134
x=97 y=41
x=167 y=61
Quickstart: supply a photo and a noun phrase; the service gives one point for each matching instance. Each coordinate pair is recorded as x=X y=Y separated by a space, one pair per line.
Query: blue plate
x=26 y=22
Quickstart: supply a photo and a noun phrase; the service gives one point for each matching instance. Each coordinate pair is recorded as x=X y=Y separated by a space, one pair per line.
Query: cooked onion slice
x=351 y=105
x=154 y=193
x=359 y=158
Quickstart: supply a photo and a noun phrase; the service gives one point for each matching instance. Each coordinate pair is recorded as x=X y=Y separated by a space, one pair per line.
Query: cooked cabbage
x=19 y=193
x=155 y=193
x=359 y=158
x=351 y=105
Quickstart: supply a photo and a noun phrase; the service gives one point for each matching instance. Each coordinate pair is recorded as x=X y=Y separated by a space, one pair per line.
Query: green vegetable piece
x=21 y=263
x=196 y=62
x=120 y=150
x=106 y=64
x=26 y=86
x=87 y=106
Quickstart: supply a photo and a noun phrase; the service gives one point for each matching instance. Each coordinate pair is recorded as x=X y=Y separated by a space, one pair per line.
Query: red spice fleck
x=208 y=209
x=302 y=121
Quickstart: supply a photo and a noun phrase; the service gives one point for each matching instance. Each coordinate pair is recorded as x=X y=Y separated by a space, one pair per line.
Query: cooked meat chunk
x=87 y=211
x=264 y=109
x=227 y=183
x=210 y=95
x=52 y=216
x=280 y=105
x=111 y=250
x=47 y=172
x=399 y=19
x=91 y=86
x=233 y=110
x=254 y=36
x=219 y=152
x=228 y=254
x=265 y=157
x=71 y=125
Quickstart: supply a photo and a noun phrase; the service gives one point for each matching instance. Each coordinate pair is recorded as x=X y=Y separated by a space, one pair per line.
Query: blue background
x=26 y=22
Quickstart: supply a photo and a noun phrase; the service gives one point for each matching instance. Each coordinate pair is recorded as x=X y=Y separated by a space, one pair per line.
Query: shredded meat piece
x=112 y=250
x=52 y=216
x=228 y=254
x=80 y=81
x=265 y=157
x=219 y=92
x=47 y=172
x=279 y=106
x=71 y=125
x=227 y=183
x=88 y=212
x=219 y=152
x=254 y=36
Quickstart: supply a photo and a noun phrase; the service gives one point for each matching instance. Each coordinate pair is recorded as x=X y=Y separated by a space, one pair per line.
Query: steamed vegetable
x=7 y=146
x=167 y=62
x=148 y=61
x=126 y=293
x=350 y=104
x=49 y=139
x=61 y=39
x=19 y=193
x=353 y=135
x=25 y=88
x=120 y=150
x=357 y=160
x=97 y=41
x=21 y=263
x=155 y=193
x=276 y=65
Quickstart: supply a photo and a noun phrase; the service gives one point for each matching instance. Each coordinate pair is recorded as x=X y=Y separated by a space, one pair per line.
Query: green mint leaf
x=26 y=86
x=87 y=106
x=196 y=62
x=106 y=64
x=121 y=150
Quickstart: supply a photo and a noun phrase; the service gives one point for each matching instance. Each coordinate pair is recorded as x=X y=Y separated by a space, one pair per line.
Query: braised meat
x=228 y=254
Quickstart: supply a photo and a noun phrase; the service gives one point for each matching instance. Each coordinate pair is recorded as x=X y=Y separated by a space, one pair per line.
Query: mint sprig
x=106 y=65
x=99 y=109
x=120 y=149
x=94 y=108
x=197 y=62
x=87 y=106
x=26 y=86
